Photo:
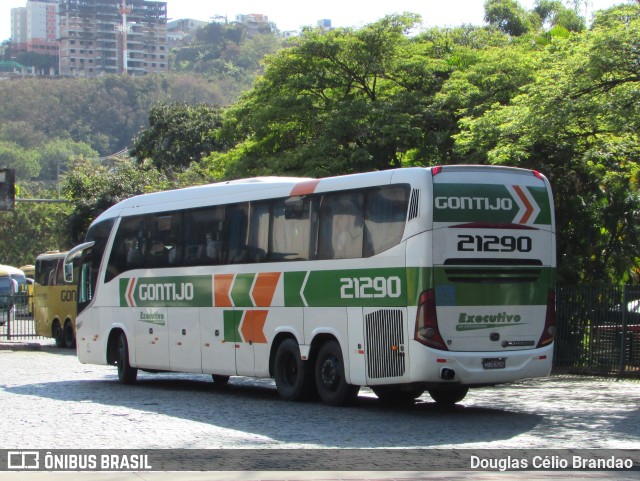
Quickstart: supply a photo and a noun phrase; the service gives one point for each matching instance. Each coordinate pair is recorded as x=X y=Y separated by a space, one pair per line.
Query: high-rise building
x=34 y=28
x=91 y=37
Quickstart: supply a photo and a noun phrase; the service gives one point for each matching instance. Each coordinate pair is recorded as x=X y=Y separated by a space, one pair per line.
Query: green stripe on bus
x=241 y=290
x=174 y=291
x=491 y=203
x=232 y=321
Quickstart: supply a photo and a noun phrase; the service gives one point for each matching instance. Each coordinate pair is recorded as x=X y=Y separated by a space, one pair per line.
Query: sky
x=291 y=15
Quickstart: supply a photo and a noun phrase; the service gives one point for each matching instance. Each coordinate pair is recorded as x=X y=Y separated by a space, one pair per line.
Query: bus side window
x=258 y=238
x=164 y=234
x=341 y=226
x=236 y=218
x=291 y=230
x=129 y=247
x=385 y=215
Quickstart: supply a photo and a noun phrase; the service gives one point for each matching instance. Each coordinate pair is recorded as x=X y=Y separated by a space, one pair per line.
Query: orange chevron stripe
x=264 y=288
x=527 y=204
x=304 y=188
x=253 y=326
x=222 y=288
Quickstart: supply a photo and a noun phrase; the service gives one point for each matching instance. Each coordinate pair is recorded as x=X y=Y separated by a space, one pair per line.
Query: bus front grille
x=384 y=344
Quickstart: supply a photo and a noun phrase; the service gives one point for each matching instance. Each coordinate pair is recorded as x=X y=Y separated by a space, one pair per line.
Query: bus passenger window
x=291 y=230
x=128 y=247
x=385 y=215
x=258 y=242
x=164 y=234
x=237 y=217
x=341 y=226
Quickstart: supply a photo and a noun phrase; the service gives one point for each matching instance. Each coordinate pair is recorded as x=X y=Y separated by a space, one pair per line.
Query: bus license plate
x=494 y=363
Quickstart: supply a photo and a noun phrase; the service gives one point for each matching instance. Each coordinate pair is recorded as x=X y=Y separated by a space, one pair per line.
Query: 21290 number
x=370 y=287
x=494 y=243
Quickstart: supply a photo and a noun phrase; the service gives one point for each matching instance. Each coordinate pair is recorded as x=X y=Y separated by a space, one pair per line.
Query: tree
x=25 y=162
x=508 y=16
x=31 y=229
x=93 y=188
x=179 y=135
x=336 y=102
x=578 y=122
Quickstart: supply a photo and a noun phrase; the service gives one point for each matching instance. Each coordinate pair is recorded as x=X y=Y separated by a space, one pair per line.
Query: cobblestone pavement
x=51 y=401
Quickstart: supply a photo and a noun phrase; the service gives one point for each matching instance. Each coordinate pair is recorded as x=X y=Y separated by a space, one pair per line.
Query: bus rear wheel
x=69 y=335
x=294 y=378
x=126 y=373
x=397 y=395
x=57 y=334
x=331 y=382
x=448 y=395
x=219 y=379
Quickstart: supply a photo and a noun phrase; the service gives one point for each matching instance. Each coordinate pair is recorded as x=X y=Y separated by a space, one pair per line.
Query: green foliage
x=93 y=188
x=103 y=113
x=577 y=122
x=178 y=135
x=226 y=54
x=31 y=229
x=508 y=16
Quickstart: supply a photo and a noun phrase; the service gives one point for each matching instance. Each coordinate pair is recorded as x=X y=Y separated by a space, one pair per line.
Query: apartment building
x=92 y=37
x=34 y=28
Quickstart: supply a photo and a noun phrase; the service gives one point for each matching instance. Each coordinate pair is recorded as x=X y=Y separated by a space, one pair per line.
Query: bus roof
x=258 y=188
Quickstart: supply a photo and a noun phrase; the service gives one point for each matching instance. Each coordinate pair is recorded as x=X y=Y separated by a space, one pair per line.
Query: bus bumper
x=479 y=368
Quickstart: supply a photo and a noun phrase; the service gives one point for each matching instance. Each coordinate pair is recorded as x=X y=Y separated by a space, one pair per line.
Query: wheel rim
x=329 y=374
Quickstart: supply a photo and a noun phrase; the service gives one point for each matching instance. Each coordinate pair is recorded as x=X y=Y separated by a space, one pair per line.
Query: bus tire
x=69 y=335
x=293 y=376
x=57 y=333
x=397 y=395
x=331 y=383
x=448 y=395
x=126 y=373
x=219 y=379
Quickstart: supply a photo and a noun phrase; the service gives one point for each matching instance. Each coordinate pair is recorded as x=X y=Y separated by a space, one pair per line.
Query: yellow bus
x=54 y=300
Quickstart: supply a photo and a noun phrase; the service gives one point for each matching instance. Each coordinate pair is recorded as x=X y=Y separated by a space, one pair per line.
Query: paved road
x=49 y=400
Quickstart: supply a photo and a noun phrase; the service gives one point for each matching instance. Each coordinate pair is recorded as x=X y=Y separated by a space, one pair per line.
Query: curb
x=20 y=346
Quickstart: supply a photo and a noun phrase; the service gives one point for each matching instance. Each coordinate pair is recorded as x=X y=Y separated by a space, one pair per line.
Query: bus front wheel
x=126 y=373
x=331 y=382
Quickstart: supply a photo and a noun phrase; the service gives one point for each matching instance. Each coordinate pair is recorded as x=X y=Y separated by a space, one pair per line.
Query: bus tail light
x=427 y=331
x=549 y=333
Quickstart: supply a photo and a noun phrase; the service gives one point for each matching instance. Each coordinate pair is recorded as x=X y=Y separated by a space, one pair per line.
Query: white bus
x=438 y=279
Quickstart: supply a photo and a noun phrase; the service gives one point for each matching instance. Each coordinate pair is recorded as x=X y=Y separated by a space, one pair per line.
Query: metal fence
x=598 y=330
x=16 y=318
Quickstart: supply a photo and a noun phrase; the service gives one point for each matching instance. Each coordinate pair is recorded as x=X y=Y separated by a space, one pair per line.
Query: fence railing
x=598 y=330
x=16 y=318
